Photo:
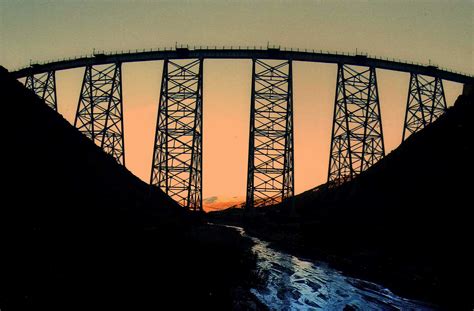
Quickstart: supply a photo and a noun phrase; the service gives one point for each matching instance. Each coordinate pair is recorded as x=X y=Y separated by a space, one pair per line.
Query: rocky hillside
x=405 y=222
x=80 y=231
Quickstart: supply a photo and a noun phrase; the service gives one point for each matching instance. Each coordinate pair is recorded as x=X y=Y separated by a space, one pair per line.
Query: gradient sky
x=436 y=32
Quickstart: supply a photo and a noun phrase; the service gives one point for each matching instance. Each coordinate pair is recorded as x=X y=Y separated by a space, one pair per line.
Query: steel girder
x=44 y=85
x=270 y=178
x=425 y=104
x=245 y=53
x=100 y=110
x=177 y=154
x=357 y=137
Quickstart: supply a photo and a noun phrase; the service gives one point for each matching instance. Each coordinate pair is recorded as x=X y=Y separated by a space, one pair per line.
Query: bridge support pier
x=270 y=178
x=357 y=137
x=100 y=110
x=177 y=153
x=425 y=104
x=44 y=85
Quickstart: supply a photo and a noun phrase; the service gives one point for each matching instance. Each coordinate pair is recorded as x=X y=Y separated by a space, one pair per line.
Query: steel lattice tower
x=425 y=104
x=44 y=85
x=357 y=138
x=177 y=154
x=99 y=111
x=270 y=176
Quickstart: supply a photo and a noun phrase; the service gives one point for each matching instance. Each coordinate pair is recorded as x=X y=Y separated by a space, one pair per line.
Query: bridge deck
x=270 y=53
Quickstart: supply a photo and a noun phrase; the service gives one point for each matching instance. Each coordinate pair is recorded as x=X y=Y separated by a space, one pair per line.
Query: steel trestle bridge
x=357 y=136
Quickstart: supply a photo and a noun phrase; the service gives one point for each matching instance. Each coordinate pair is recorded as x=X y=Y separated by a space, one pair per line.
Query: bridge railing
x=241 y=47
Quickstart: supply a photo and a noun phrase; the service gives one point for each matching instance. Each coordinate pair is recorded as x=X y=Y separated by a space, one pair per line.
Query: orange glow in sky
x=440 y=33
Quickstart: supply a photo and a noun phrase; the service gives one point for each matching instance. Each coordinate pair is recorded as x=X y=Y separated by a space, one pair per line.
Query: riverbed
x=293 y=283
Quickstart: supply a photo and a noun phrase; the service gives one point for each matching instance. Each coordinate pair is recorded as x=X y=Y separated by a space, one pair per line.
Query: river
x=293 y=283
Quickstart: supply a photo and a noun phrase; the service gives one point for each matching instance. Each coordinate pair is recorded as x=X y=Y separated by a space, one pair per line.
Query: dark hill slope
x=79 y=231
x=405 y=222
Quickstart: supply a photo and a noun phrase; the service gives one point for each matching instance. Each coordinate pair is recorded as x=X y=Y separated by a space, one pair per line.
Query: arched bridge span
x=357 y=135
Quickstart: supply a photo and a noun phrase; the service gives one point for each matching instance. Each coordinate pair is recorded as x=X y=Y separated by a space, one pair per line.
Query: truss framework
x=177 y=153
x=100 y=110
x=44 y=85
x=425 y=104
x=270 y=178
x=357 y=137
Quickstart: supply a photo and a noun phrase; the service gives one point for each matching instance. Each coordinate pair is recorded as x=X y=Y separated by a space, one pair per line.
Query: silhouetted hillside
x=80 y=231
x=405 y=222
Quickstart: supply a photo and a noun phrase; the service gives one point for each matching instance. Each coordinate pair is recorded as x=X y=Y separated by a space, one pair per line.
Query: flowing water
x=293 y=283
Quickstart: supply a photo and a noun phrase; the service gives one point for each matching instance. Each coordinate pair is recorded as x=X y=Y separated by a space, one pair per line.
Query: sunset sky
x=436 y=32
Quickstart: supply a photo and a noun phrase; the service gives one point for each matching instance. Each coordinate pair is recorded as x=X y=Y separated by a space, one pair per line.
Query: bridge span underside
x=357 y=136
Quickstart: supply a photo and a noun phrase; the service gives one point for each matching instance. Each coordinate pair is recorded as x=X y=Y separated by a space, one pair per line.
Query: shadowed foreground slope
x=81 y=232
x=406 y=222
